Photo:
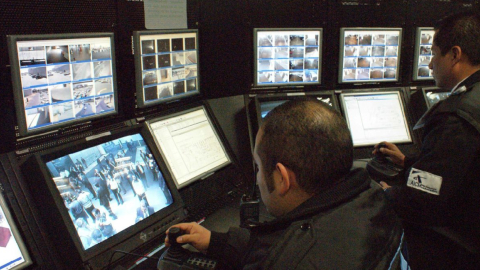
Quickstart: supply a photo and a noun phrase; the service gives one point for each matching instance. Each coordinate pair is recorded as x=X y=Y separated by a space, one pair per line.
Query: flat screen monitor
x=104 y=193
x=375 y=116
x=369 y=54
x=434 y=95
x=14 y=254
x=423 y=54
x=190 y=144
x=62 y=79
x=286 y=57
x=166 y=65
x=268 y=102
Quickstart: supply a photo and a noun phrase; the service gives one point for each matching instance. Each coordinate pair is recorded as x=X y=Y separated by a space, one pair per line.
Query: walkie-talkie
x=250 y=206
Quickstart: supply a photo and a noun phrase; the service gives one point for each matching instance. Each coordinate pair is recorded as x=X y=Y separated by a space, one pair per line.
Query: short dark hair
x=460 y=29
x=311 y=139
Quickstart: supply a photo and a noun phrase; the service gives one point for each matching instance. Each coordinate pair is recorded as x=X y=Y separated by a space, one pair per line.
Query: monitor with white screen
x=190 y=144
x=376 y=116
x=13 y=253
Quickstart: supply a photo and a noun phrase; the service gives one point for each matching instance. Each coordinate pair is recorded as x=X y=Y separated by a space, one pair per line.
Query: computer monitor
x=107 y=192
x=166 y=65
x=288 y=56
x=62 y=79
x=267 y=102
x=434 y=94
x=375 y=116
x=369 y=54
x=423 y=54
x=14 y=254
x=190 y=144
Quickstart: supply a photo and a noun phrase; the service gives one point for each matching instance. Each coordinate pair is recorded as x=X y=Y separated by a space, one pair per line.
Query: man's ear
x=456 y=54
x=285 y=179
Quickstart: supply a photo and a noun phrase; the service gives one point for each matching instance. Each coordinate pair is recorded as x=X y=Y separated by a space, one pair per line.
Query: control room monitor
x=190 y=145
x=369 y=54
x=62 y=79
x=423 y=54
x=375 y=116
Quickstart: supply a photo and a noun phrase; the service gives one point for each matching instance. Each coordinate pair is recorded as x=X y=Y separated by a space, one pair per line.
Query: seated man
x=328 y=216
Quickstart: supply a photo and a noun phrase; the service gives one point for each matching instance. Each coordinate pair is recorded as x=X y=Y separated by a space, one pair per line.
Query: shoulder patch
x=425 y=181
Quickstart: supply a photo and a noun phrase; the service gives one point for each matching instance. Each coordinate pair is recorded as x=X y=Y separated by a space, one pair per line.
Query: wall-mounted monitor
x=190 y=144
x=14 y=254
x=423 y=53
x=369 y=54
x=107 y=192
x=166 y=65
x=374 y=116
x=62 y=79
x=287 y=57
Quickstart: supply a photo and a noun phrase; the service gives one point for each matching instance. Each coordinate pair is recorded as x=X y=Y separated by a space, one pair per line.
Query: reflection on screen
x=189 y=144
x=434 y=97
x=12 y=251
x=423 y=55
x=370 y=55
x=375 y=117
x=110 y=187
x=65 y=79
x=288 y=57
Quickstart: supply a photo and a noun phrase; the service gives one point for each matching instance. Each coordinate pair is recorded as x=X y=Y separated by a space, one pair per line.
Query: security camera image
x=150 y=77
x=164 y=60
x=177 y=44
x=190 y=58
x=166 y=75
x=58 y=73
x=165 y=90
x=57 y=54
x=179 y=88
x=149 y=62
x=191 y=85
x=102 y=69
x=178 y=73
x=424 y=72
x=377 y=50
x=61 y=92
x=190 y=71
x=101 y=51
x=80 y=52
x=151 y=93
x=190 y=44
x=178 y=59
x=33 y=76
x=423 y=53
x=103 y=86
x=425 y=50
x=38 y=117
x=104 y=103
x=36 y=96
x=148 y=46
x=82 y=71
x=62 y=111
x=31 y=55
x=426 y=38
x=163 y=45
x=283 y=56
x=84 y=107
x=83 y=90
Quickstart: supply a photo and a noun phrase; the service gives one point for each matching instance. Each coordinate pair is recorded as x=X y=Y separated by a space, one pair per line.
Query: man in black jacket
x=440 y=200
x=327 y=215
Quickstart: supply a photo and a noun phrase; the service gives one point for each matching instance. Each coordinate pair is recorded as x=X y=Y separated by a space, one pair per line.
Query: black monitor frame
x=152 y=97
x=423 y=54
x=381 y=69
x=303 y=57
x=47 y=39
x=15 y=236
x=59 y=223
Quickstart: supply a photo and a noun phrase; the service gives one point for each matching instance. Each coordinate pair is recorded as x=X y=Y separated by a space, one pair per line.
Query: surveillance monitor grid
x=166 y=65
x=369 y=54
x=287 y=56
x=61 y=79
x=14 y=254
x=423 y=54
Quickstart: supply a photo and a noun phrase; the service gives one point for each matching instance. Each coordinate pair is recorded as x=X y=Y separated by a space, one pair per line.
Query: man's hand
x=196 y=235
x=392 y=151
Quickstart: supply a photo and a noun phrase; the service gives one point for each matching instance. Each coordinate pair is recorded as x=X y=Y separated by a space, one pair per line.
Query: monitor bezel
x=289 y=84
x=17 y=85
x=149 y=229
x=416 y=67
x=396 y=91
x=140 y=94
x=15 y=234
x=216 y=131
x=343 y=30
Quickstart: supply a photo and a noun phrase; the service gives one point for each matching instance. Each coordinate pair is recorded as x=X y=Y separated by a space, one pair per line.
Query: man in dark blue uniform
x=440 y=200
